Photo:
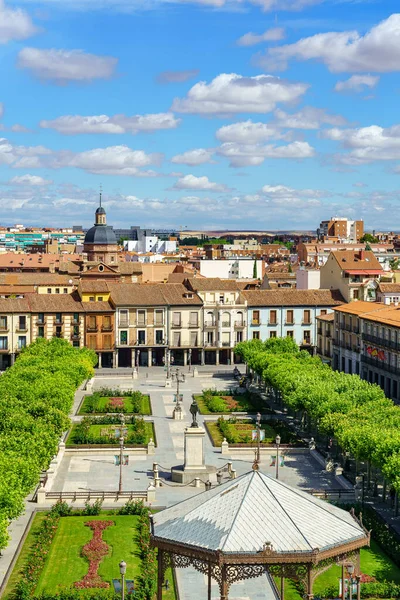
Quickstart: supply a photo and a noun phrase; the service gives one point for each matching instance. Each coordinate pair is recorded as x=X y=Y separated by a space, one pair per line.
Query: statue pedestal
x=194 y=465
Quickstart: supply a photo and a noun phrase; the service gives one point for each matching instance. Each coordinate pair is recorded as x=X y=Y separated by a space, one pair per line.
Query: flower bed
x=212 y=401
x=108 y=400
x=239 y=431
x=95 y=551
x=105 y=431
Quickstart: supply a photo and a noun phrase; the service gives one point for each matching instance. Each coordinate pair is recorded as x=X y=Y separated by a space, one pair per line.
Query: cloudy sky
x=262 y=114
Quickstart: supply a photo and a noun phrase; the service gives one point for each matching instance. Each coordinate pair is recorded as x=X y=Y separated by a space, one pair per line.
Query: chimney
x=362 y=254
x=386 y=301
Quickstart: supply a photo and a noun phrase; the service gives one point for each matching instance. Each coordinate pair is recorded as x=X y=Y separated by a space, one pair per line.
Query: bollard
x=229 y=468
x=151 y=447
x=224 y=447
x=197 y=482
x=233 y=474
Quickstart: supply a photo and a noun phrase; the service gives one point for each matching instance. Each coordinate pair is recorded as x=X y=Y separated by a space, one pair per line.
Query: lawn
x=96 y=431
x=239 y=431
x=211 y=403
x=65 y=565
x=374 y=562
x=102 y=401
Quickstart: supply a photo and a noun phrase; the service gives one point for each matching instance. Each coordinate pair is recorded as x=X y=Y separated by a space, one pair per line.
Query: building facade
x=15 y=329
x=325 y=334
x=288 y=313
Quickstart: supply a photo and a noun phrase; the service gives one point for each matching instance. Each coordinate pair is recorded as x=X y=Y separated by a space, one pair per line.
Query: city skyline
x=210 y=114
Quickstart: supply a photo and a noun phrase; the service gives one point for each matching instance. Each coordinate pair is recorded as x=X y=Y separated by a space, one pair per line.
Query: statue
x=194 y=409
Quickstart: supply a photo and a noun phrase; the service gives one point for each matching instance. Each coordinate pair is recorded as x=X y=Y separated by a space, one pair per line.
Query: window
x=323 y=312
x=58 y=318
x=194 y=319
x=75 y=331
x=289 y=333
x=107 y=325
x=159 y=317
x=92 y=323
x=307 y=317
x=65 y=290
x=91 y=298
x=256 y=335
x=193 y=338
x=123 y=338
x=76 y=317
x=239 y=336
x=3 y=323
x=141 y=336
x=49 y=290
x=40 y=318
x=221 y=298
x=307 y=336
x=176 y=319
x=123 y=318
x=21 y=342
x=355 y=295
x=159 y=336
x=107 y=342
x=58 y=331
x=289 y=317
x=75 y=343
x=57 y=290
x=92 y=342
x=100 y=299
x=22 y=323
x=272 y=334
x=256 y=318
x=177 y=338
x=226 y=338
x=272 y=317
x=3 y=343
x=40 y=332
x=141 y=317
x=210 y=338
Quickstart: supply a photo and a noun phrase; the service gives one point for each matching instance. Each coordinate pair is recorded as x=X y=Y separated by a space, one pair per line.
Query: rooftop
x=291 y=297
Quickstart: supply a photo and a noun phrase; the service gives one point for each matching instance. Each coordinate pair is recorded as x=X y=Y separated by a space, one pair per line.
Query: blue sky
x=244 y=114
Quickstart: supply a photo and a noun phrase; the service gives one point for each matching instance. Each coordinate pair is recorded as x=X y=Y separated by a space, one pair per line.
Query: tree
x=368 y=237
x=255 y=269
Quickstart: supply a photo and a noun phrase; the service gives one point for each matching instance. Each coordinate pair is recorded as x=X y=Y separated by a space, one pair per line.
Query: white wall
x=230 y=269
x=308 y=279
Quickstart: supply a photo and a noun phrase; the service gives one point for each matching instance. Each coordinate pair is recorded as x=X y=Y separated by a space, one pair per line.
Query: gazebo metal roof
x=255 y=510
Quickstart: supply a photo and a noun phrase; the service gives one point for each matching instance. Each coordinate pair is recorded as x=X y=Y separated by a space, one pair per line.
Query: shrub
x=94 y=509
x=133 y=507
x=216 y=405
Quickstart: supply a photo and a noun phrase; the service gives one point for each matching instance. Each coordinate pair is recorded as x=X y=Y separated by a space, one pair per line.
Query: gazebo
x=256 y=524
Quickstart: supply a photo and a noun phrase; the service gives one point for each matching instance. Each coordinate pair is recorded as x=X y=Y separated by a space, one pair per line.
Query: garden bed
x=64 y=561
x=212 y=402
x=105 y=431
x=108 y=400
x=239 y=432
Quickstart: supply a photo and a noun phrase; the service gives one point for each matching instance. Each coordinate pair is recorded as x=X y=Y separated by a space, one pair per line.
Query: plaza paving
x=96 y=471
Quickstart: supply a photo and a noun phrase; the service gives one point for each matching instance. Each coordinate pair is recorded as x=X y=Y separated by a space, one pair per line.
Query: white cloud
x=192 y=158
x=64 y=66
x=29 y=180
x=244 y=155
x=347 y=51
x=285 y=192
x=231 y=93
x=307 y=118
x=18 y=128
x=357 y=83
x=191 y=182
x=73 y=125
x=367 y=144
x=176 y=76
x=15 y=24
x=270 y=35
x=247 y=132
x=114 y=160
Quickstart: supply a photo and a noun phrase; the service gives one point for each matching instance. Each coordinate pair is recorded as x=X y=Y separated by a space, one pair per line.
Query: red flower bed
x=367 y=578
x=115 y=403
x=94 y=551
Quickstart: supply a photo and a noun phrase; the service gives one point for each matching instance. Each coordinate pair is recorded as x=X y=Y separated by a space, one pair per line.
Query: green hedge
x=357 y=413
x=36 y=396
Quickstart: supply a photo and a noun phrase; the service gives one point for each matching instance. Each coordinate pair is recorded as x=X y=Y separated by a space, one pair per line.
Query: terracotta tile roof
x=351 y=260
x=177 y=294
x=330 y=317
x=14 y=305
x=16 y=289
x=97 y=307
x=375 y=311
x=64 y=303
x=36 y=279
x=291 y=297
x=130 y=268
x=137 y=294
x=214 y=284
x=94 y=285
x=389 y=287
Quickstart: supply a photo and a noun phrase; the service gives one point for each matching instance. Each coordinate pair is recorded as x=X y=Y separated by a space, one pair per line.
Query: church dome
x=101 y=235
x=100 y=211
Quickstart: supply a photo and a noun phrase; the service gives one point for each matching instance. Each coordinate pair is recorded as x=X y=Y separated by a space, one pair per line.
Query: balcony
x=193 y=325
x=107 y=327
x=75 y=337
x=381 y=341
x=20 y=329
x=255 y=322
x=290 y=323
x=225 y=344
x=92 y=329
x=210 y=324
x=41 y=322
x=225 y=323
x=240 y=324
x=75 y=322
x=123 y=323
x=306 y=322
x=379 y=364
x=176 y=325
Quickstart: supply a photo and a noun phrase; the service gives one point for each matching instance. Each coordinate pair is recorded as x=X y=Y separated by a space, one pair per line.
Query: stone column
x=99 y=363
x=185 y=353
x=116 y=359
x=150 y=357
x=217 y=357
x=203 y=355
x=133 y=357
x=232 y=357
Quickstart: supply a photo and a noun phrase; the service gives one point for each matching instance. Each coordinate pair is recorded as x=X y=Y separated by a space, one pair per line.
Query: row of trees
x=355 y=412
x=36 y=396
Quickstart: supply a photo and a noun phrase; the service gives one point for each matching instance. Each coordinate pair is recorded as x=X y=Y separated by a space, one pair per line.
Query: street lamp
x=190 y=358
x=122 y=570
x=350 y=570
x=121 y=449
x=179 y=378
x=256 y=463
x=277 y=442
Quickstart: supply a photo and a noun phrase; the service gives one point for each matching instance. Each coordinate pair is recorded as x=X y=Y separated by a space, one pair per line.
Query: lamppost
x=122 y=570
x=121 y=449
x=277 y=442
x=179 y=378
x=190 y=358
x=256 y=463
x=137 y=360
x=350 y=570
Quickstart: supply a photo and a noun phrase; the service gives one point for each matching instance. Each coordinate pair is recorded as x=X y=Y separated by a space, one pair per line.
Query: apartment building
x=288 y=313
x=99 y=331
x=355 y=274
x=388 y=293
x=367 y=342
x=224 y=318
x=59 y=316
x=15 y=329
x=342 y=229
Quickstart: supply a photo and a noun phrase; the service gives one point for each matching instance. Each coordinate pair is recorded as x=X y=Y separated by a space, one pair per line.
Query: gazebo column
x=160 y=576
x=224 y=584
x=358 y=575
x=282 y=585
x=209 y=581
x=310 y=594
x=343 y=585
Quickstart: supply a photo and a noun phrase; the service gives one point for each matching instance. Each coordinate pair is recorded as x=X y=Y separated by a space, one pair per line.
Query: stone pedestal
x=194 y=465
x=177 y=413
x=168 y=383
